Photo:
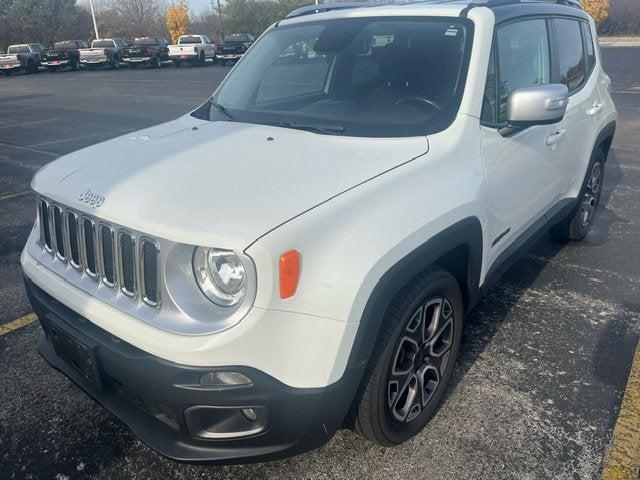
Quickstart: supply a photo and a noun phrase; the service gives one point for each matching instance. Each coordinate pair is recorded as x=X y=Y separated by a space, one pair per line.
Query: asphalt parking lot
x=545 y=356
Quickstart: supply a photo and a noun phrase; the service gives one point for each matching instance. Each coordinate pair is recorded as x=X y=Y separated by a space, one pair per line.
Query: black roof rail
x=326 y=7
x=498 y=3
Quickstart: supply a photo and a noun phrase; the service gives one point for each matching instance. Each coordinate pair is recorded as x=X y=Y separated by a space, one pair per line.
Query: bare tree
x=134 y=17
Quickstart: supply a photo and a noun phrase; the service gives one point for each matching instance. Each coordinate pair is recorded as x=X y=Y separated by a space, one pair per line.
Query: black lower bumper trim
x=151 y=394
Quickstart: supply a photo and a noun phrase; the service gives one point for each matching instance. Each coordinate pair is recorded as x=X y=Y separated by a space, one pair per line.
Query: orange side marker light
x=289 y=273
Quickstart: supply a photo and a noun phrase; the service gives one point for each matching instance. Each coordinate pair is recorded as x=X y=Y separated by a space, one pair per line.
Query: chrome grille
x=149 y=253
x=45 y=225
x=107 y=255
x=58 y=230
x=116 y=256
x=127 y=262
x=89 y=244
x=73 y=234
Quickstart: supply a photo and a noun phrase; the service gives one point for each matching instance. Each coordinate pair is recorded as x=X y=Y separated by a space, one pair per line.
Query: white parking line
x=7 y=196
x=101 y=134
x=30 y=123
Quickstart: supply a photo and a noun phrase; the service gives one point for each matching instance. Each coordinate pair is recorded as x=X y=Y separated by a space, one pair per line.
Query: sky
x=196 y=6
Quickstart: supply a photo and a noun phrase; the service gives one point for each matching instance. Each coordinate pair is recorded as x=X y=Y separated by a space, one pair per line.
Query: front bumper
x=184 y=57
x=10 y=66
x=102 y=61
x=156 y=398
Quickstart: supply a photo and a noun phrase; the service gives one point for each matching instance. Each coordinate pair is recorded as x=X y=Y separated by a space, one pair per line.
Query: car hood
x=221 y=184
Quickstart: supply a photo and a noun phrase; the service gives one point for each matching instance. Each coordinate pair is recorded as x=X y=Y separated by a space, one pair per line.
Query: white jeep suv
x=298 y=254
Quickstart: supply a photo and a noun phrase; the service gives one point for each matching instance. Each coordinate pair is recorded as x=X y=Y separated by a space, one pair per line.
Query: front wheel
x=412 y=360
x=577 y=225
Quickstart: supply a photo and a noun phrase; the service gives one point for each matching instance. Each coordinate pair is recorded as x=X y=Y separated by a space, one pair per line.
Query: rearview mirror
x=535 y=105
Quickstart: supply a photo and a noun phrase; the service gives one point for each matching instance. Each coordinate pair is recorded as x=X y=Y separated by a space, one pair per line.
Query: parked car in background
x=21 y=57
x=234 y=47
x=103 y=51
x=146 y=51
x=194 y=49
x=63 y=54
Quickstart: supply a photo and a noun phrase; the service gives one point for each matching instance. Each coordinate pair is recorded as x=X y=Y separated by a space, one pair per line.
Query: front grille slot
x=58 y=230
x=127 y=263
x=45 y=224
x=108 y=257
x=112 y=255
x=149 y=253
x=89 y=237
x=74 y=239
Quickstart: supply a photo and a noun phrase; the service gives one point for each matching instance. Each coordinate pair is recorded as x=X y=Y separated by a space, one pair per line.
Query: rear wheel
x=412 y=360
x=577 y=225
x=32 y=67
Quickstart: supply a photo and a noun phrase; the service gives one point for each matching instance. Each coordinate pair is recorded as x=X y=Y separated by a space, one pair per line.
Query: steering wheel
x=419 y=102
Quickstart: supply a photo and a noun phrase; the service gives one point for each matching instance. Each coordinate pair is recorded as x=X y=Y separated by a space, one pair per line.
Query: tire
x=74 y=66
x=31 y=67
x=410 y=364
x=176 y=64
x=154 y=63
x=202 y=60
x=577 y=225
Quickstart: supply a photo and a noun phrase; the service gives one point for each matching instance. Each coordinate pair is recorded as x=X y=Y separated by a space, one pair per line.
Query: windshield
x=102 y=43
x=190 y=40
x=388 y=77
x=141 y=42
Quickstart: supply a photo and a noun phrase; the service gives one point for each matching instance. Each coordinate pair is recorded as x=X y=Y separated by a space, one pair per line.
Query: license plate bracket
x=77 y=354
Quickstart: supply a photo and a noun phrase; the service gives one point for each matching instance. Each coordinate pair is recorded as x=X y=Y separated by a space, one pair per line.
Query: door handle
x=595 y=109
x=556 y=136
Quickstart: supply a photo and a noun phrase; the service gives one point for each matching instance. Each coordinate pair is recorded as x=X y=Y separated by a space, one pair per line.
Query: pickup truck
x=103 y=51
x=146 y=51
x=193 y=49
x=63 y=54
x=234 y=47
x=21 y=57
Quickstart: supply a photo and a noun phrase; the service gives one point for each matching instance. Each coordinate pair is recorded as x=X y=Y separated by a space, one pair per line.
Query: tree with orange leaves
x=598 y=9
x=177 y=20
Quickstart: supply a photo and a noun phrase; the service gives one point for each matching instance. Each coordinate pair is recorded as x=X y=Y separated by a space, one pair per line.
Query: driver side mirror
x=535 y=105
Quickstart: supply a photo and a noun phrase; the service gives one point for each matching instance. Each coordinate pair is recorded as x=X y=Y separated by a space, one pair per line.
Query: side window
x=523 y=59
x=588 y=41
x=570 y=53
x=489 y=101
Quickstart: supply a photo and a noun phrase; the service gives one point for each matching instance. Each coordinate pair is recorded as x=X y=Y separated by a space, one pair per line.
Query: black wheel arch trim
x=464 y=233
x=608 y=131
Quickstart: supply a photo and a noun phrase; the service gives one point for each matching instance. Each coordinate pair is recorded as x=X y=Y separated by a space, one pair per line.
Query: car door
x=209 y=48
x=522 y=171
x=576 y=65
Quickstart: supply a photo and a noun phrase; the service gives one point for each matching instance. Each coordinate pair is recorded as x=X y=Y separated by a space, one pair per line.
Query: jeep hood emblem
x=91 y=198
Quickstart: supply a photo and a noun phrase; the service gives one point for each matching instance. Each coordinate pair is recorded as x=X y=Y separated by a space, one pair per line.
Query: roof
x=503 y=9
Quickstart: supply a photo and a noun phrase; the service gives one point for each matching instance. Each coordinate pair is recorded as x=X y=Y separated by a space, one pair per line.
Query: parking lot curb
x=623 y=459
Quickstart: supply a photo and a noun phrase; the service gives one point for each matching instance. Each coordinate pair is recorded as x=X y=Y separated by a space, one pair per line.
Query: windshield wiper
x=312 y=127
x=221 y=109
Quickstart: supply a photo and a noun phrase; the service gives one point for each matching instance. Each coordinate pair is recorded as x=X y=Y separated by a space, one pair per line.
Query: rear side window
x=522 y=61
x=590 y=49
x=571 y=62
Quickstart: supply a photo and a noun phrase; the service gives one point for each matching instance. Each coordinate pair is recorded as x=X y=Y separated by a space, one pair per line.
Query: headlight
x=220 y=275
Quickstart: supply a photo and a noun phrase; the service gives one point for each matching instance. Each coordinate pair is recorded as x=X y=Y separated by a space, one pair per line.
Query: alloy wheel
x=591 y=195
x=420 y=359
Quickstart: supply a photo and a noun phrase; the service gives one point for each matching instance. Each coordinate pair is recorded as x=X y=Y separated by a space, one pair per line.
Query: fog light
x=250 y=414
x=224 y=379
